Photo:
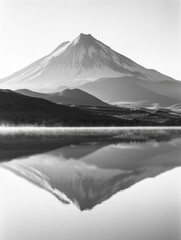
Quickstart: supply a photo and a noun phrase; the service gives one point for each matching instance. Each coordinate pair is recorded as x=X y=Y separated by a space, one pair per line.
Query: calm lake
x=122 y=184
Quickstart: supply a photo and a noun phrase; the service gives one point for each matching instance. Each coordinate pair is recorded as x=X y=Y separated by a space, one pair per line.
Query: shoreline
x=87 y=128
x=71 y=131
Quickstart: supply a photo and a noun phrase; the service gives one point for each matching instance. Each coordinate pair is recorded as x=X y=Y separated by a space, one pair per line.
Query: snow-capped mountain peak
x=86 y=39
x=75 y=62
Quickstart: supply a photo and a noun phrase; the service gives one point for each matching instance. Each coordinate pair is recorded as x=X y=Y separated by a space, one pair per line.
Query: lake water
x=90 y=184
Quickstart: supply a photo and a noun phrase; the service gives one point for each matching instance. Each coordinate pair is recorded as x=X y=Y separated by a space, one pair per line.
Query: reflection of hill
x=19 y=146
x=79 y=145
x=128 y=156
x=79 y=151
x=87 y=184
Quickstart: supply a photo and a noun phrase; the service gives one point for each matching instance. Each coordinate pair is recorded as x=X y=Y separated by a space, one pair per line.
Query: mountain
x=67 y=97
x=16 y=109
x=86 y=63
x=30 y=93
x=77 y=97
x=126 y=89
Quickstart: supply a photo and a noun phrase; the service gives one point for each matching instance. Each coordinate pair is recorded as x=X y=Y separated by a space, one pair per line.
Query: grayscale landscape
x=83 y=82
x=90 y=120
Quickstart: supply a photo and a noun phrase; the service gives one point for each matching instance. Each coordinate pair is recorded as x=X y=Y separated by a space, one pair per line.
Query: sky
x=146 y=31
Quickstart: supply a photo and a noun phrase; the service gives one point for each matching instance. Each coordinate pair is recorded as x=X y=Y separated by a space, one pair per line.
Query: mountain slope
x=30 y=93
x=67 y=97
x=85 y=60
x=16 y=108
x=78 y=97
x=82 y=60
x=125 y=89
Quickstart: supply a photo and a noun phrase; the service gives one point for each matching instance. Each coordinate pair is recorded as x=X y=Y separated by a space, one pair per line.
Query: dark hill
x=16 y=108
x=67 y=97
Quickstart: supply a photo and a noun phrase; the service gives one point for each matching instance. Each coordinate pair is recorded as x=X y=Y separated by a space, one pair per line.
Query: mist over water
x=90 y=183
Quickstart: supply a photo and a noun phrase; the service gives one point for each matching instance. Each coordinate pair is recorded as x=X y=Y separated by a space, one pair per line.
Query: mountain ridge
x=87 y=61
x=127 y=89
x=67 y=97
x=18 y=109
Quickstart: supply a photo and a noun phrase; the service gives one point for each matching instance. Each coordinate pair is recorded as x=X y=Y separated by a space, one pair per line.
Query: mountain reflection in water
x=87 y=171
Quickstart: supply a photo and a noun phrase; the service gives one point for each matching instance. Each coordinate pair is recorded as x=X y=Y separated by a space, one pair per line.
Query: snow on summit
x=75 y=62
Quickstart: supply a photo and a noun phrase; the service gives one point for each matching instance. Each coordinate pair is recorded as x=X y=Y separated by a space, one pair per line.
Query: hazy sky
x=147 y=31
